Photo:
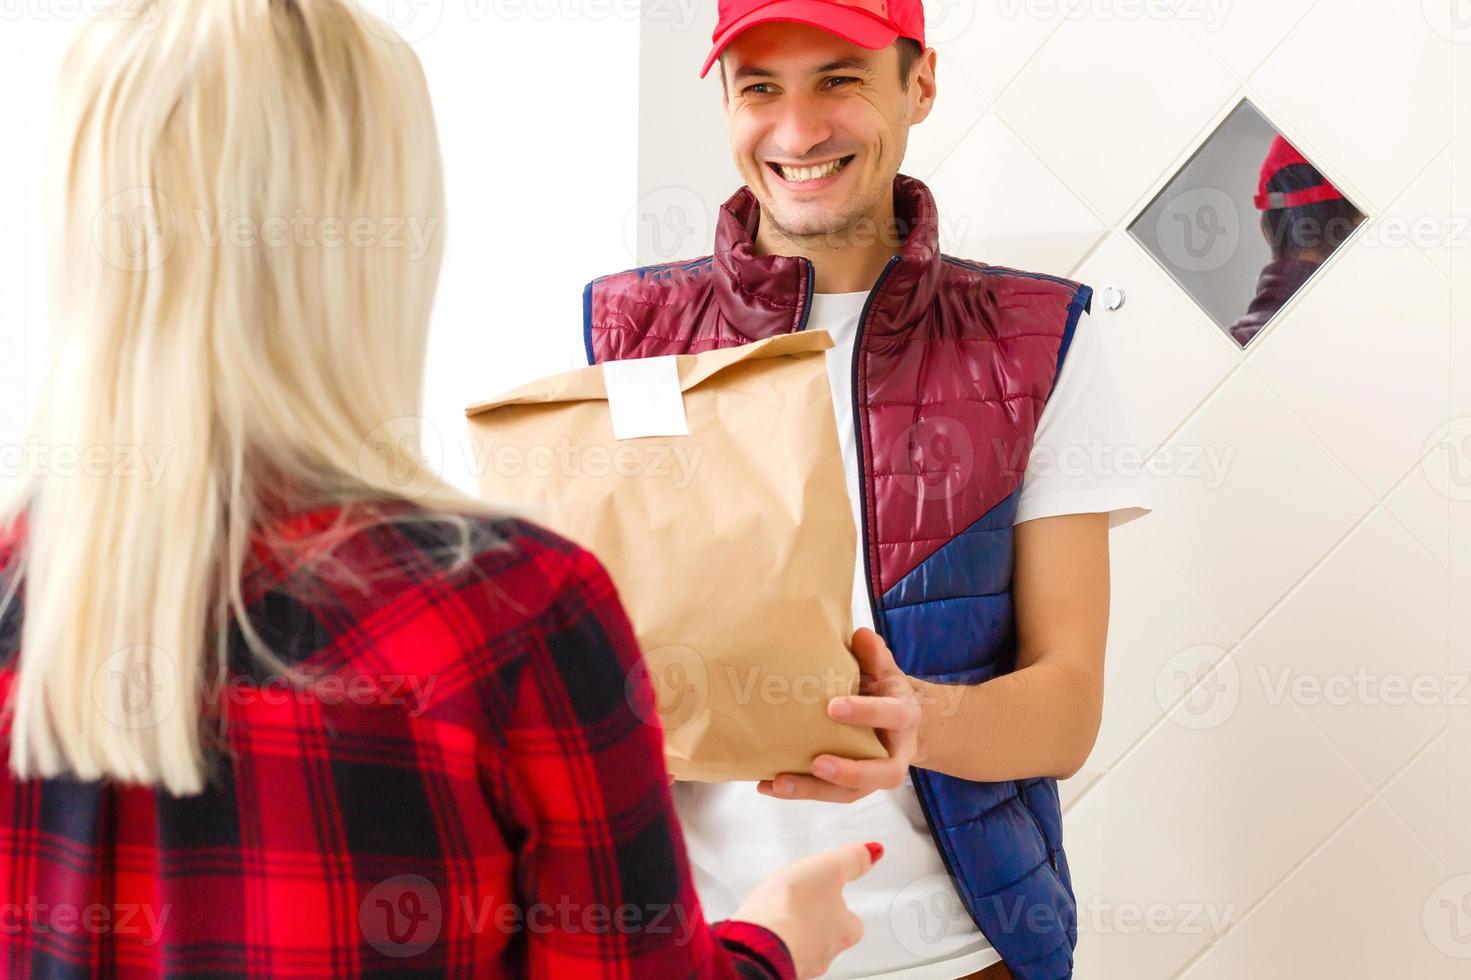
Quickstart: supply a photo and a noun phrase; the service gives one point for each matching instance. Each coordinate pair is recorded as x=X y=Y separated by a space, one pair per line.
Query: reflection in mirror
x=1245 y=223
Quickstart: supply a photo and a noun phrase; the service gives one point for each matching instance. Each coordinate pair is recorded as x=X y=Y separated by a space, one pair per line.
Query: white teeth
x=799 y=174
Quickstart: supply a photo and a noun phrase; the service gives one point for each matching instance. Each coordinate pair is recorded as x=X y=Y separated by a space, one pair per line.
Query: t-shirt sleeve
x=1084 y=457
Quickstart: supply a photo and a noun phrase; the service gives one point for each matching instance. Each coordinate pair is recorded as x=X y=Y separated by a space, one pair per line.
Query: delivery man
x=979 y=427
x=1304 y=220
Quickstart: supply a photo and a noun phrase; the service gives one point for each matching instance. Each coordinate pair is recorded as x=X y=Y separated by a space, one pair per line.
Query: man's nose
x=800 y=127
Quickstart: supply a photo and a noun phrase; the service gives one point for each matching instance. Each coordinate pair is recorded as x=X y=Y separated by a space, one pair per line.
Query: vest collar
x=764 y=295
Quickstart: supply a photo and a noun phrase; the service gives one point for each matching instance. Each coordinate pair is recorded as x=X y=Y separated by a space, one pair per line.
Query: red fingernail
x=875 y=850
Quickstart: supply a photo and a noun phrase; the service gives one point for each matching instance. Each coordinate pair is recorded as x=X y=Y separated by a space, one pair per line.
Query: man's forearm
x=1040 y=720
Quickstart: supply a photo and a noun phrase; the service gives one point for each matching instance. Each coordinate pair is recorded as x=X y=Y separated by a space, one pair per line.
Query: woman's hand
x=890 y=706
x=803 y=904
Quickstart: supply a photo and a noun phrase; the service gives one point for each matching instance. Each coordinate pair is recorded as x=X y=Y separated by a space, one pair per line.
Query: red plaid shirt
x=470 y=789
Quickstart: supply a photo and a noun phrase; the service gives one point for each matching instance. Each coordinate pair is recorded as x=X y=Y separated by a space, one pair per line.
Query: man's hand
x=888 y=705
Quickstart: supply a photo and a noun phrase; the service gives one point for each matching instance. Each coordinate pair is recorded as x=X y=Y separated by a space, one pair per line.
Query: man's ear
x=924 y=84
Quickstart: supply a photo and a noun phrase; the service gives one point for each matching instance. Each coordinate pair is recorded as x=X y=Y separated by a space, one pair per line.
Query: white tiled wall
x=1229 y=824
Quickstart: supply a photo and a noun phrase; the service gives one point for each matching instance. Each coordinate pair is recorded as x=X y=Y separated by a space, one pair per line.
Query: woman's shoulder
x=483 y=604
x=504 y=571
x=468 y=548
x=369 y=541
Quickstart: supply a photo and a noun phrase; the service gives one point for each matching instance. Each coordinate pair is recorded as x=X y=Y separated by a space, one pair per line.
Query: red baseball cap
x=1284 y=154
x=866 y=23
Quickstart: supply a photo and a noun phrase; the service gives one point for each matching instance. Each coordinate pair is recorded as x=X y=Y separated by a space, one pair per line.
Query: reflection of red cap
x=866 y=23
x=1284 y=154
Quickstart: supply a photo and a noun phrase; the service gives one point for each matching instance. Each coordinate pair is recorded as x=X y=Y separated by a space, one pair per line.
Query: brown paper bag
x=732 y=547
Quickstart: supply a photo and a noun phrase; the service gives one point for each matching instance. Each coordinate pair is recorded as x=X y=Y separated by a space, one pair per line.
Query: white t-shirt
x=915 y=925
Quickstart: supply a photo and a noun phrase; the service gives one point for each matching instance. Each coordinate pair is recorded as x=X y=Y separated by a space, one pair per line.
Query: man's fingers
x=872 y=655
x=795 y=786
x=870 y=711
x=859 y=774
x=880 y=675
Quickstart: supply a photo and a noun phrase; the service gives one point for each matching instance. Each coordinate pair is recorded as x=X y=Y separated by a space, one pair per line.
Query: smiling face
x=818 y=125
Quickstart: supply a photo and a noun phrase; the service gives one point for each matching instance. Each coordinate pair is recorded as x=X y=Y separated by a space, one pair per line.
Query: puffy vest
x=952 y=365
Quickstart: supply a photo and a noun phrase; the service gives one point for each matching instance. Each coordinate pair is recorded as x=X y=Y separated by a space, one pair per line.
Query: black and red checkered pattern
x=471 y=786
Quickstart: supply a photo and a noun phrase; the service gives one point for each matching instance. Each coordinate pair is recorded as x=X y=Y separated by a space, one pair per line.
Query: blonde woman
x=280 y=704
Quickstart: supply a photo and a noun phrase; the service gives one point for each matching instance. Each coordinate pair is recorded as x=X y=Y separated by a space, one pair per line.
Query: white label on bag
x=644 y=397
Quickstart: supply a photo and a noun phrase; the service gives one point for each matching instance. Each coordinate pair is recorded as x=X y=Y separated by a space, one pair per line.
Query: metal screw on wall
x=1112 y=296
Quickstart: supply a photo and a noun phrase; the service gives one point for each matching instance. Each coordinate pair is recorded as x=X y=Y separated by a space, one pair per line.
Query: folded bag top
x=732 y=547
x=586 y=384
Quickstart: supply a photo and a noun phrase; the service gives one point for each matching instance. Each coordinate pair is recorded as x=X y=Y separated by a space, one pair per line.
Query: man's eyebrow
x=842 y=64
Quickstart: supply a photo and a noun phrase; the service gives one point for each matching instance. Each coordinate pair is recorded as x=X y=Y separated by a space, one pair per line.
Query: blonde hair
x=234 y=293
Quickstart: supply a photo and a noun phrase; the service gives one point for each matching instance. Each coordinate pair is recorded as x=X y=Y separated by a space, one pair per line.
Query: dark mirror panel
x=1245 y=223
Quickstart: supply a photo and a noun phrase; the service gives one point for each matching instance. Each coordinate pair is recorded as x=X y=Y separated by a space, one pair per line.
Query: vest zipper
x=858 y=447
x=1046 y=843
x=873 y=606
x=807 y=306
